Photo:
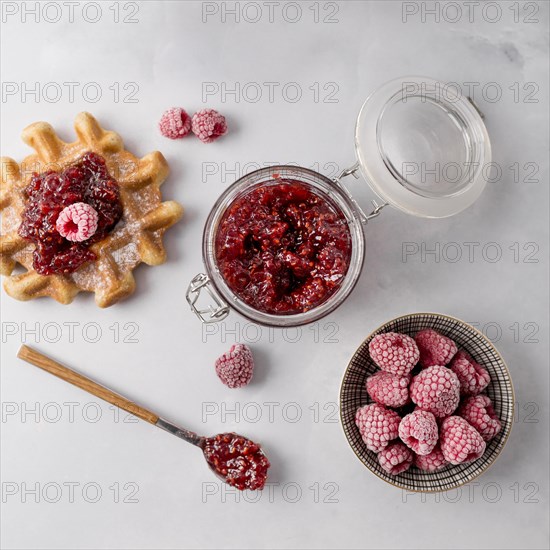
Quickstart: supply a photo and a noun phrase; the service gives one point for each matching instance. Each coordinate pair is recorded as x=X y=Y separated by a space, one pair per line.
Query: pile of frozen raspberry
x=427 y=408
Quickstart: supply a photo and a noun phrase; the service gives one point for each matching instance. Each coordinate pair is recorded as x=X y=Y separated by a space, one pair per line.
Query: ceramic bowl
x=353 y=395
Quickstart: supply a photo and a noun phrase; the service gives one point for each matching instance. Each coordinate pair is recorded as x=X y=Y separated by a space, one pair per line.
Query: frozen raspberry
x=175 y=123
x=235 y=367
x=473 y=377
x=208 y=125
x=388 y=389
x=77 y=222
x=419 y=431
x=437 y=390
x=460 y=441
x=478 y=411
x=377 y=426
x=393 y=352
x=395 y=458
x=435 y=349
x=431 y=462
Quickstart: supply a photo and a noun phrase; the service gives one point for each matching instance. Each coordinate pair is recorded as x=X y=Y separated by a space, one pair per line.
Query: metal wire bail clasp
x=213 y=313
x=352 y=171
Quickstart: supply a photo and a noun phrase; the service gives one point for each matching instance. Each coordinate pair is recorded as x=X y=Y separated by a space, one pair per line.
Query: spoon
x=235 y=459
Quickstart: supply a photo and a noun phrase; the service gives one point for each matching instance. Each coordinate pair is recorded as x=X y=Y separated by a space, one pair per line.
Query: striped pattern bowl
x=354 y=395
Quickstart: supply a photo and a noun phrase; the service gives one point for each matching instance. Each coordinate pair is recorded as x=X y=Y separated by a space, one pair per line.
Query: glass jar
x=421 y=146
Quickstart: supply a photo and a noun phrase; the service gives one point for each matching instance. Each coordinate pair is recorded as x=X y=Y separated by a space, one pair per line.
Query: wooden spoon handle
x=53 y=367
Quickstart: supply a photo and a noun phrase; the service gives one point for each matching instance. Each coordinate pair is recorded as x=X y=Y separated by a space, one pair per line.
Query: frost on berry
x=175 y=123
x=434 y=348
x=460 y=441
x=208 y=125
x=479 y=412
x=394 y=352
x=395 y=458
x=431 y=462
x=377 y=426
x=388 y=389
x=437 y=390
x=473 y=377
x=235 y=367
x=77 y=222
x=419 y=431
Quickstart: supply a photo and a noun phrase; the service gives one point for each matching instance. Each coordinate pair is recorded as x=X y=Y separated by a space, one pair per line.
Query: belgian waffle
x=136 y=238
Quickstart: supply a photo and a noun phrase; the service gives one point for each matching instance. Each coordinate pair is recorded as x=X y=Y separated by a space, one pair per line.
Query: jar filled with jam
x=284 y=245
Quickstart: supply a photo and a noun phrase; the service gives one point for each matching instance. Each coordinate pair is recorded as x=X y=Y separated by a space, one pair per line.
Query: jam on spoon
x=86 y=181
x=239 y=461
x=283 y=248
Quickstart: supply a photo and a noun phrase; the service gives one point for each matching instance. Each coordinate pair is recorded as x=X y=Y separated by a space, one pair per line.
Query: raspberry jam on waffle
x=239 y=461
x=282 y=248
x=87 y=181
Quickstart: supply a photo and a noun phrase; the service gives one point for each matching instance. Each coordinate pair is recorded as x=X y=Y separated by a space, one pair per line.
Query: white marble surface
x=155 y=490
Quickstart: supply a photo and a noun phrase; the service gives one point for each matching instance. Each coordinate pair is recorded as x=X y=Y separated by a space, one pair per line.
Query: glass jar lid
x=423 y=147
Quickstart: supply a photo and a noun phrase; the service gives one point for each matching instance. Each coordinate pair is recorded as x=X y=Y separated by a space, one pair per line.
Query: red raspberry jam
x=89 y=181
x=238 y=460
x=282 y=248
